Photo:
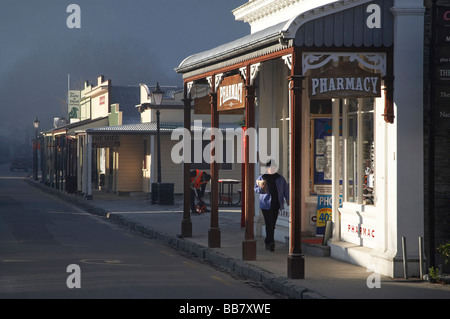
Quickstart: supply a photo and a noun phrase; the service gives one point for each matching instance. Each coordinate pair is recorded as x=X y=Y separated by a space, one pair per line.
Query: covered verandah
x=312 y=42
x=243 y=59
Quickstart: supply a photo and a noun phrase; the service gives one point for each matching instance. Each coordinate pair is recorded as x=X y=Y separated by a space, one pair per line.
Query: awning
x=255 y=44
x=140 y=128
x=81 y=125
x=339 y=23
x=150 y=128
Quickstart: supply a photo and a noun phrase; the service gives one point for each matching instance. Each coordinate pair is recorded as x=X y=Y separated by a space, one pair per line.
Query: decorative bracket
x=217 y=80
x=243 y=71
x=288 y=60
x=189 y=87
x=315 y=60
x=209 y=79
x=254 y=69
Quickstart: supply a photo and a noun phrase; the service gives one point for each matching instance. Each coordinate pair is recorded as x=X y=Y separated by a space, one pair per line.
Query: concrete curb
x=277 y=284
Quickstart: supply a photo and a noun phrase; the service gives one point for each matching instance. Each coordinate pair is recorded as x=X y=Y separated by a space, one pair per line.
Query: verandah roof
x=340 y=23
x=149 y=128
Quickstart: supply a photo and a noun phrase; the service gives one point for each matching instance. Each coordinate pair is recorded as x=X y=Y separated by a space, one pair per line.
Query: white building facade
x=343 y=83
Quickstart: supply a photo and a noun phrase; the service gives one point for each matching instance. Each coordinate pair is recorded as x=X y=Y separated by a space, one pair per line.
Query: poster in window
x=322 y=159
x=322 y=129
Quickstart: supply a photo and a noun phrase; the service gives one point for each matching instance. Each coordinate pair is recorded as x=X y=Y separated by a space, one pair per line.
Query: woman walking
x=273 y=190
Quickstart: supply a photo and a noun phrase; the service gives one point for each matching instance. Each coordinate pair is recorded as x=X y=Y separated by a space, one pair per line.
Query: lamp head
x=36 y=123
x=158 y=95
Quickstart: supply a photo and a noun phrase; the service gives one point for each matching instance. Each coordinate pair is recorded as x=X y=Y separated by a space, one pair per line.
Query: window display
x=359 y=151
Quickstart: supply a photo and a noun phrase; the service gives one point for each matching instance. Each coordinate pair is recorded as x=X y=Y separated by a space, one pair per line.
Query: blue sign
x=324 y=212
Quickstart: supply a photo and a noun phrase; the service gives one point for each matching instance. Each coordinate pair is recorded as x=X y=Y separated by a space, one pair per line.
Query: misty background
x=129 y=42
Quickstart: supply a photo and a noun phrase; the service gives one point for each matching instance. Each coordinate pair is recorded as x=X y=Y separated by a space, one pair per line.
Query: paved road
x=40 y=236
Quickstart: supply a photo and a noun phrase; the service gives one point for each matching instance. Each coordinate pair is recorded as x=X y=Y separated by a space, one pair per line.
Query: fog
x=129 y=42
x=38 y=87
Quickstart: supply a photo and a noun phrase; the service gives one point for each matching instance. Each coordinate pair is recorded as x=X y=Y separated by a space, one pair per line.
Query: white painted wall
x=408 y=212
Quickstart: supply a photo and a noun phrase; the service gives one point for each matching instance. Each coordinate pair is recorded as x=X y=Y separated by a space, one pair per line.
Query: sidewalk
x=325 y=277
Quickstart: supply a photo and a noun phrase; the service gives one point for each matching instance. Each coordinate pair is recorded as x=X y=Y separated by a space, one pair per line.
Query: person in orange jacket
x=199 y=179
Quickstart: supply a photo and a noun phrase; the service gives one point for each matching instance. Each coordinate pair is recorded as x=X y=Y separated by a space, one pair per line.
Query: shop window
x=320 y=146
x=359 y=153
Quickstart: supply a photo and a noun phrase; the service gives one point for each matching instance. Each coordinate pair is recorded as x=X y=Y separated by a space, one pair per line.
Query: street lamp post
x=35 y=164
x=158 y=95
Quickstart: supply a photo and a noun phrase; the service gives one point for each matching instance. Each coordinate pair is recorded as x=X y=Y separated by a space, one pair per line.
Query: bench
x=225 y=198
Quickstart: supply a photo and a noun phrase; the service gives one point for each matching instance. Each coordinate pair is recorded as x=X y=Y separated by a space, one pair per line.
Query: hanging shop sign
x=230 y=94
x=105 y=141
x=347 y=80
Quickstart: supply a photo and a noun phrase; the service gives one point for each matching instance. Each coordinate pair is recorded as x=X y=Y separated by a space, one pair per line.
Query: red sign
x=361 y=230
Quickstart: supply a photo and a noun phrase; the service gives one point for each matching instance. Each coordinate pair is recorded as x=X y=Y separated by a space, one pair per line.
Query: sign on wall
x=442 y=88
x=73 y=102
x=105 y=141
x=324 y=212
x=347 y=80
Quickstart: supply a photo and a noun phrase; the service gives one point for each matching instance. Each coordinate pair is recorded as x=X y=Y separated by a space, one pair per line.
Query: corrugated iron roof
x=337 y=23
x=346 y=28
x=151 y=128
x=228 y=50
x=74 y=125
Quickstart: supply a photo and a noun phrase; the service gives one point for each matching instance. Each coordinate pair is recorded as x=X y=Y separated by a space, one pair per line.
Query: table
x=228 y=195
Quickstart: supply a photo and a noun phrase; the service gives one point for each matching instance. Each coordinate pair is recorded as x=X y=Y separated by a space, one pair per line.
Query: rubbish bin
x=154 y=193
x=163 y=193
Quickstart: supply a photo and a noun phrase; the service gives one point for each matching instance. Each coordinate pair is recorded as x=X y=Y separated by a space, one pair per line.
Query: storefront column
x=84 y=175
x=214 y=230
x=89 y=166
x=336 y=163
x=296 y=262
x=79 y=161
x=186 y=224
x=405 y=214
x=249 y=244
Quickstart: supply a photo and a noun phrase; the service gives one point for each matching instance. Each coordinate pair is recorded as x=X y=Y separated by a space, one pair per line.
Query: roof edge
x=291 y=27
x=233 y=51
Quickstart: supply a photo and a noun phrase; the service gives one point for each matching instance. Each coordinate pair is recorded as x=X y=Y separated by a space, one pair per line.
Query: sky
x=129 y=42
